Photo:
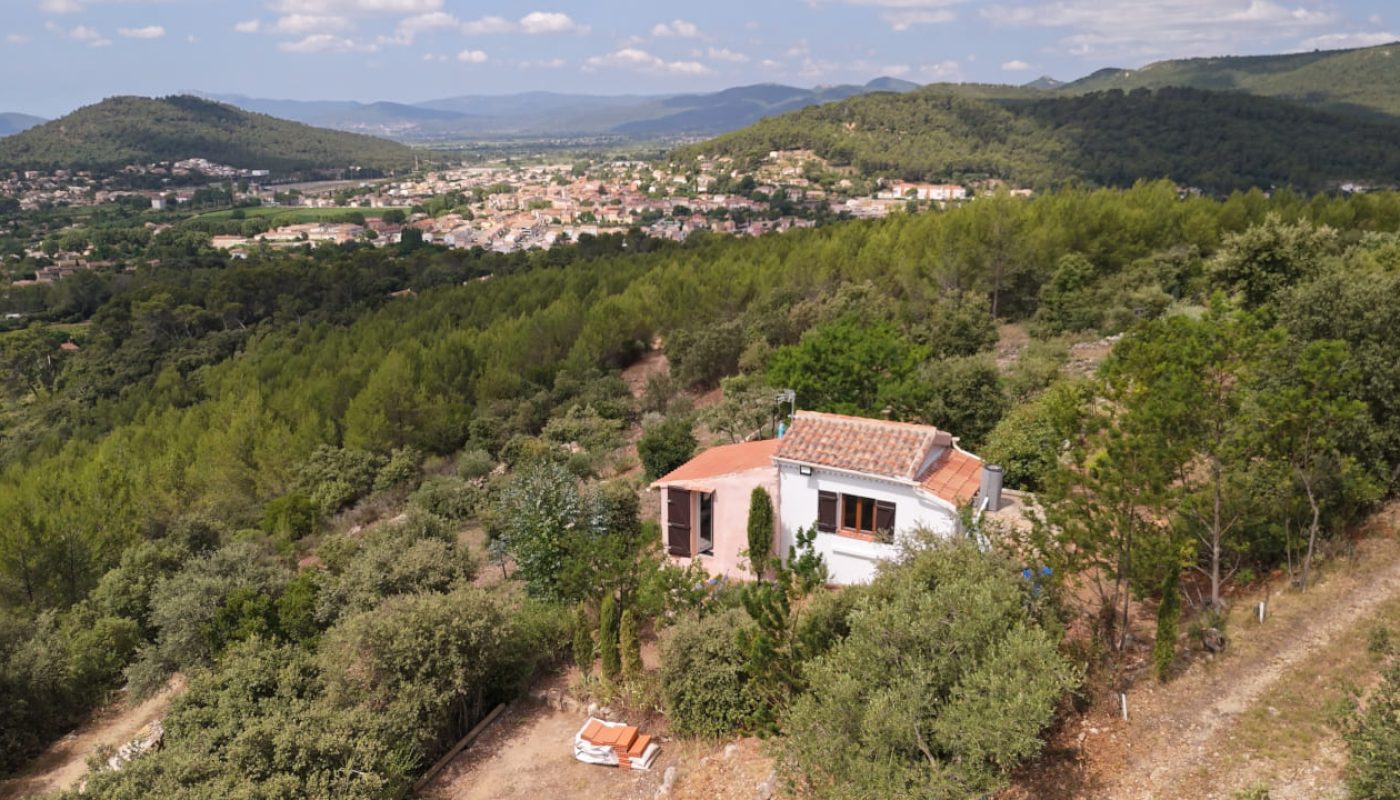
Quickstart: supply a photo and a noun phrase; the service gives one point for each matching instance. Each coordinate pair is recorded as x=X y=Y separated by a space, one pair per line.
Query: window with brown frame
x=865 y=518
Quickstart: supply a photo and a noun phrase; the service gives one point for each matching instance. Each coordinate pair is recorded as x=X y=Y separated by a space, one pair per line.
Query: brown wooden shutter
x=826 y=512
x=884 y=520
x=678 y=522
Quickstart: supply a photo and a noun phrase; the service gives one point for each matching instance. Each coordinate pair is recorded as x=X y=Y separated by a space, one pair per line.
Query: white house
x=864 y=483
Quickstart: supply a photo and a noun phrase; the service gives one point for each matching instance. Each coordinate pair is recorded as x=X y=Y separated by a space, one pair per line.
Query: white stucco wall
x=851 y=560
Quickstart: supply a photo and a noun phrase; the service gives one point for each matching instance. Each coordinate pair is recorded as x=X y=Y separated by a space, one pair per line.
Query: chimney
x=991 y=486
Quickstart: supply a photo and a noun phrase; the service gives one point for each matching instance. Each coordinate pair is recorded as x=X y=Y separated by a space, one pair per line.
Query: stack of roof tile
x=614 y=744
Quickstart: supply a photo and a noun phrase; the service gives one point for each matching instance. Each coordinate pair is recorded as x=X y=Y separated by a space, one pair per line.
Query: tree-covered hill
x=138 y=130
x=1365 y=80
x=1215 y=141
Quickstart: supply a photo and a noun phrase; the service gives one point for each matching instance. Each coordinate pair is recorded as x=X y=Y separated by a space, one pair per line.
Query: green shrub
x=336 y=477
x=475 y=464
x=1028 y=441
x=291 y=516
x=447 y=497
x=700 y=357
x=665 y=446
x=403 y=467
x=705 y=688
x=942 y=687
x=1373 y=739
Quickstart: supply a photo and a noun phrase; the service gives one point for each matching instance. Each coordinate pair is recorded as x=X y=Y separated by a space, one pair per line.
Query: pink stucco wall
x=731 y=518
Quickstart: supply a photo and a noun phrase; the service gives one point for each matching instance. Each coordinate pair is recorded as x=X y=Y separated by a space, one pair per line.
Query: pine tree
x=1164 y=648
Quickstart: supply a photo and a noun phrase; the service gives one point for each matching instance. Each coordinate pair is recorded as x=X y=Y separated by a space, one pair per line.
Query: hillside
x=1215 y=141
x=126 y=130
x=1365 y=81
x=12 y=123
x=552 y=113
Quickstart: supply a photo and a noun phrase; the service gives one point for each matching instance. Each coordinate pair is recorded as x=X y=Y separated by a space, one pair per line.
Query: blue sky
x=58 y=54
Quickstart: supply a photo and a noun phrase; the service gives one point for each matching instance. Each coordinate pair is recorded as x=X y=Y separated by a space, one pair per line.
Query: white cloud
x=1016 y=65
x=472 y=57
x=438 y=57
x=17 y=38
x=355 y=7
x=429 y=21
x=948 y=71
x=81 y=33
x=676 y=29
x=538 y=22
x=248 y=26
x=904 y=20
x=148 y=32
x=1145 y=29
x=303 y=24
x=535 y=23
x=60 y=6
x=487 y=25
x=545 y=63
x=633 y=58
x=325 y=43
x=1343 y=41
x=901 y=15
x=725 y=54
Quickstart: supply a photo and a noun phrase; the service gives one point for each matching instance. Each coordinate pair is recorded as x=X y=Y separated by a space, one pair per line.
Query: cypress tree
x=607 y=638
x=760 y=531
x=583 y=640
x=631 y=646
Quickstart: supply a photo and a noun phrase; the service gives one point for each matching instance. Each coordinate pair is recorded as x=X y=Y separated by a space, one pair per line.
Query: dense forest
x=1360 y=82
x=178 y=493
x=121 y=131
x=1216 y=142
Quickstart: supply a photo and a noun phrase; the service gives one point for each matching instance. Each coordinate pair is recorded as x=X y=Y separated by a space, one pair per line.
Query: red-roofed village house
x=863 y=483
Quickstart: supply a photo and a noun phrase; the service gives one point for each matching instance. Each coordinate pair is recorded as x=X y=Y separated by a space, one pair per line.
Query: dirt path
x=65 y=762
x=528 y=754
x=1212 y=730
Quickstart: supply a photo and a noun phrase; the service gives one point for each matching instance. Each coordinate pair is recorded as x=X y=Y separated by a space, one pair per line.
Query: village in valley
x=499 y=208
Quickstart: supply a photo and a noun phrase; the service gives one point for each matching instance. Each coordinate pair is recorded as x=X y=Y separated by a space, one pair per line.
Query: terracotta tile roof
x=870 y=446
x=955 y=476
x=724 y=460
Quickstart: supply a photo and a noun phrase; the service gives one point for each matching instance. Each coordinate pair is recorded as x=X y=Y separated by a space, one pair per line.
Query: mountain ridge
x=127 y=130
x=1361 y=81
x=556 y=113
x=12 y=122
x=1215 y=141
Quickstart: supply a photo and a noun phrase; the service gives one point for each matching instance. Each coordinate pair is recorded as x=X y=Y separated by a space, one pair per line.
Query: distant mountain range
x=555 y=114
x=13 y=122
x=139 y=130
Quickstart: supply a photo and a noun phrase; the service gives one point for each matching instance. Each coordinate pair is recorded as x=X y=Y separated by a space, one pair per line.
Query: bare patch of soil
x=64 y=764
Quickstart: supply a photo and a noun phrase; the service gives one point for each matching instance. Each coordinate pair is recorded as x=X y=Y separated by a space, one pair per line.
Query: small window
x=865 y=518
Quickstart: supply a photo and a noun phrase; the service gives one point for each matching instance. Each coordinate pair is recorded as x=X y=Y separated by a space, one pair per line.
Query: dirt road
x=1256 y=716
